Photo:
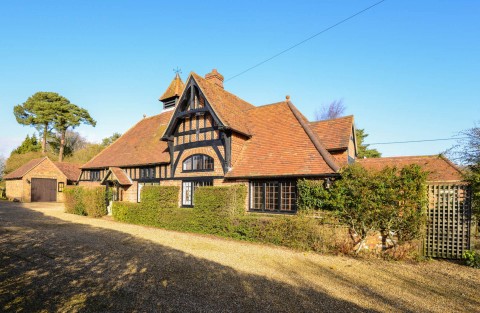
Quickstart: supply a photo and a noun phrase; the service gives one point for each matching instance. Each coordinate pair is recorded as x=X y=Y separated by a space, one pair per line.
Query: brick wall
x=238 y=145
x=217 y=166
x=14 y=189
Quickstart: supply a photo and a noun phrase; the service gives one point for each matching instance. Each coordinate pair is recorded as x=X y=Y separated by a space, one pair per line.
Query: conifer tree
x=69 y=115
x=39 y=111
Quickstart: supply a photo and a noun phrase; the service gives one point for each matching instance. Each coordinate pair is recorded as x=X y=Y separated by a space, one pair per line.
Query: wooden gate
x=44 y=190
x=448 y=221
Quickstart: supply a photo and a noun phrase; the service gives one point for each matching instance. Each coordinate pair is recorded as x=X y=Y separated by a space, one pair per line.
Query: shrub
x=472 y=258
x=215 y=207
x=386 y=201
x=73 y=197
x=94 y=200
x=163 y=197
x=312 y=195
x=85 y=201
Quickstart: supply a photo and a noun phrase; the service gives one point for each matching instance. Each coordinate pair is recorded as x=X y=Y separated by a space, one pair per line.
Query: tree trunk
x=44 y=139
x=62 y=145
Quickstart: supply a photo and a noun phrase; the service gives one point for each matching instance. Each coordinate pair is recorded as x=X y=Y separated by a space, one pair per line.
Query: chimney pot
x=215 y=77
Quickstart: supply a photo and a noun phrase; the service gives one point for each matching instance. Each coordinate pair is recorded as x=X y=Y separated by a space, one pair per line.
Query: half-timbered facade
x=207 y=136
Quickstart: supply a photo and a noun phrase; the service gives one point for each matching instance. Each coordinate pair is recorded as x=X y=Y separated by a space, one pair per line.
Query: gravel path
x=53 y=261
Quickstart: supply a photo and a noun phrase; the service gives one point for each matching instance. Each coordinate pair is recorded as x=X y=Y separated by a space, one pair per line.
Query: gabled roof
x=230 y=109
x=279 y=146
x=335 y=133
x=439 y=168
x=140 y=145
x=24 y=169
x=71 y=170
x=119 y=175
x=174 y=89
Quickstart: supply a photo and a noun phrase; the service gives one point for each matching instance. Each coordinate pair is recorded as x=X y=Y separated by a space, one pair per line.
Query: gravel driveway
x=53 y=261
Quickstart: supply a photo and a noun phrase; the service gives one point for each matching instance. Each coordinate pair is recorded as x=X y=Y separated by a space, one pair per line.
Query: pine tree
x=39 y=111
x=69 y=115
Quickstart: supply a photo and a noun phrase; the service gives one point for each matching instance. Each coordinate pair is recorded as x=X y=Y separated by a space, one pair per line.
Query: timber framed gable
x=195 y=125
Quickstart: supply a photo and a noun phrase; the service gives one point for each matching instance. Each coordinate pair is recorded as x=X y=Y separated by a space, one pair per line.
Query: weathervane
x=177 y=71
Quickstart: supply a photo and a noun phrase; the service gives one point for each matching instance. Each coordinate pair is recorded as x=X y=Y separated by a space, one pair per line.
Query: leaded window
x=147 y=173
x=94 y=175
x=188 y=190
x=273 y=196
x=198 y=163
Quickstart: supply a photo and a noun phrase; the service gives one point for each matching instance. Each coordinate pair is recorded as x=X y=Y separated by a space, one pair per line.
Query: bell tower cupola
x=173 y=92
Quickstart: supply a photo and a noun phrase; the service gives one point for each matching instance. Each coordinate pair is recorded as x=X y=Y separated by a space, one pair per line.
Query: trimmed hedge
x=89 y=201
x=164 y=197
x=215 y=208
x=220 y=211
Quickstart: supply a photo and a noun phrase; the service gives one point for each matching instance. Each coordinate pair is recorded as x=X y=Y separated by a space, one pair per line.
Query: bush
x=472 y=258
x=312 y=195
x=215 y=207
x=73 y=197
x=85 y=201
x=94 y=200
x=163 y=197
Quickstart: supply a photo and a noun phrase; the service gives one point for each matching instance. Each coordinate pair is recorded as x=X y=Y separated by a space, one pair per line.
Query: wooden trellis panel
x=448 y=221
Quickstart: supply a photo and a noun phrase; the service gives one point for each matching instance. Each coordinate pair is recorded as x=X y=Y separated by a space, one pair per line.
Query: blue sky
x=407 y=70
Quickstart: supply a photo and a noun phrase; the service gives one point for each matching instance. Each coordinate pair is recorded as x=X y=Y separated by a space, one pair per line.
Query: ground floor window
x=140 y=186
x=188 y=190
x=273 y=196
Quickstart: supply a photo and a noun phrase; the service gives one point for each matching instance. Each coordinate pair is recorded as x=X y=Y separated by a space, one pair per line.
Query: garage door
x=44 y=190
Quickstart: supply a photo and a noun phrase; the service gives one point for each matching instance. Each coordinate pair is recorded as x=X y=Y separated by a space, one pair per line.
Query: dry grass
x=53 y=261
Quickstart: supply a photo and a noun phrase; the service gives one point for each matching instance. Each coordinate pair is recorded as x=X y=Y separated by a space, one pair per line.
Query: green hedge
x=221 y=211
x=216 y=207
x=312 y=195
x=164 y=197
x=85 y=201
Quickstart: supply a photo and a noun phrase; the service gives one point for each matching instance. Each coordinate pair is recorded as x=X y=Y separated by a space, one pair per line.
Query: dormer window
x=198 y=163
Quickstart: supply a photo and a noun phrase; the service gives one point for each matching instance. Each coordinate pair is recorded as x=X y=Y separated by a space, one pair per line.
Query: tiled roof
x=24 y=169
x=174 y=89
x=279 y=146
x=230 y=109
x=140 y=145
x=439 y=168
x=71 y=170
x=120 y=176
x=334 y=133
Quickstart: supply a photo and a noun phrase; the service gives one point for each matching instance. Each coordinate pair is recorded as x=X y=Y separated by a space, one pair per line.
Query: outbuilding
x=41 y=180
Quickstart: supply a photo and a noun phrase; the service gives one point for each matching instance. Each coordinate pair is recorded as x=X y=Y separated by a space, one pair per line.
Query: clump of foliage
x=215 y=207
x=220 y=211
x=471 y=258
x=388 y=201
x=90 y=201
x=73 y=198
x=29 y=144
x=363 y=150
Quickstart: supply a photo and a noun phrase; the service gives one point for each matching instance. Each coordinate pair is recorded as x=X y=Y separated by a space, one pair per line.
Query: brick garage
x=41 y=180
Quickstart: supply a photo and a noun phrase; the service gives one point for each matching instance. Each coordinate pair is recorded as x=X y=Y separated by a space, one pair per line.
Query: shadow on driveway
x=53 y=265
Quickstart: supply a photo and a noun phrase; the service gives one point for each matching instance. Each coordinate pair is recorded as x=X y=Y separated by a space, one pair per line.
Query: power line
x=305 y=40
x=423 y=140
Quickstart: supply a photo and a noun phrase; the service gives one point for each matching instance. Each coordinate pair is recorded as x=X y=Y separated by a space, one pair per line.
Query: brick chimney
x=215 y=77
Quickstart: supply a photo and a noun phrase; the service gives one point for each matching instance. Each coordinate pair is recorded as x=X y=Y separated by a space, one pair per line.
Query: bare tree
x=335 y=109
x=2 y=166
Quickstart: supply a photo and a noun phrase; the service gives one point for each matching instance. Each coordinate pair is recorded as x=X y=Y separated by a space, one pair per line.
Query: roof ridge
x=333 y=119
x=39 y=160
x=406 y=156
x=314 y=138
x=223 y=90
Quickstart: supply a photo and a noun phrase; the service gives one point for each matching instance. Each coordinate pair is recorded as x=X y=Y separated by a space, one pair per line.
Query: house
x=41 y=180
x=207 y=136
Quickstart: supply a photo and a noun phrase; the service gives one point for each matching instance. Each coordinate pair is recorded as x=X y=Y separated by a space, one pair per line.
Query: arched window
x=198 y=163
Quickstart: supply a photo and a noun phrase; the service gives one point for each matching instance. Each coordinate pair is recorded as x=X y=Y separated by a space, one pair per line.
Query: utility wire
x=410 y=141
x=305 y=40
